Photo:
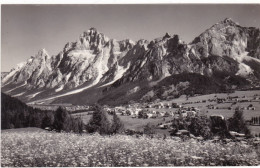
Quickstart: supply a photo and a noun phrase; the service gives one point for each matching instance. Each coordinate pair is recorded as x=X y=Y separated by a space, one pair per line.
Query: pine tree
x=47 y=121
x=149 y=129
x=99 y=121
x=117 y=125
x=237 y=122
x=61 y=118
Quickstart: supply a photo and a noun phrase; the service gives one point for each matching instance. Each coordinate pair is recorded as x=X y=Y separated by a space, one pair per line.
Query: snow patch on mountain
x=67 y=76
x=244 y=70
x=117 y=52
x=59 y=89
x=82 y=53
x=33 y=95
x=9 y=75
x=73 y=91
x=16 y=87
x=119 y=73
x=20 y=94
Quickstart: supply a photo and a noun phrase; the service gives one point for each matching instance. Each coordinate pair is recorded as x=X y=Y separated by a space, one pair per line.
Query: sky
x=25 y=29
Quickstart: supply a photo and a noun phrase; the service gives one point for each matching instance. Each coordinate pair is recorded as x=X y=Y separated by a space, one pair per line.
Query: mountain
x=3 y=74
x=96 y=68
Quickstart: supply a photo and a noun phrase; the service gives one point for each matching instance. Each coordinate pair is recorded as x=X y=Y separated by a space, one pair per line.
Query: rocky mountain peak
x=166 y=36
x=229 y=20
x=42 y=53
x=95 y=61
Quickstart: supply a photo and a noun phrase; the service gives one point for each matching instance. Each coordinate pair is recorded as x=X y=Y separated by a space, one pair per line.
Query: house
x=184 y=114
x=175 y=105
x=212 y=107
x=250 y=108
x=153 y=116
x=182 y=133
x=236 y=134
x=166 y=114
x=219 y=100
x=149 y=106
x=134 y=116
x=191 y=113
x=165 y=125
x=162 y=113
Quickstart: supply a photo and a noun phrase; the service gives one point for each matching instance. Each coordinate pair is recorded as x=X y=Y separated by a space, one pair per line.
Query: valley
x=206 y=105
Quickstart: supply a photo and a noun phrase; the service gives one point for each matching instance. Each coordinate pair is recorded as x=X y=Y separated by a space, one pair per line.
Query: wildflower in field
x=51 y=149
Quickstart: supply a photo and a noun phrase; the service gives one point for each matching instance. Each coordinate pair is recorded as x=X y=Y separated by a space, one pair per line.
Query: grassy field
x=34 y=148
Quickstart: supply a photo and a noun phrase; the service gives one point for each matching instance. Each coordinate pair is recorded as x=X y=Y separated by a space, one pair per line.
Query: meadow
x=36 y=148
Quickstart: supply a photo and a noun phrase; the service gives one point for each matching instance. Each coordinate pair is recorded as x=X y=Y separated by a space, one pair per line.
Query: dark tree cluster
x=198 y=126
x=255 y=120
x=100 y=123
x=16 y=114
x=213 y=126
x=237 y=123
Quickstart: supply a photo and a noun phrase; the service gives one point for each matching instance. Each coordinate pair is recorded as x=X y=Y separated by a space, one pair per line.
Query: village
x=162 y=113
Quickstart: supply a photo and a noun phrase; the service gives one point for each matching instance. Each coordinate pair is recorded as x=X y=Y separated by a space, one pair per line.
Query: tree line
x=255 y=120
x=16 y=114
x=207 y=127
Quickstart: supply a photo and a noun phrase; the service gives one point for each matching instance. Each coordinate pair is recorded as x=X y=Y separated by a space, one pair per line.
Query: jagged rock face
x=215 y=51
x=83 y=61
x=227 y=38
x=161 y=58
x=35 y=71
x=253 y=42
x=223 y=39
x=226 y=49
x=3 y=74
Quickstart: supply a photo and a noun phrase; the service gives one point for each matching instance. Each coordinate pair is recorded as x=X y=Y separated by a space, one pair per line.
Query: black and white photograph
x=130 y=85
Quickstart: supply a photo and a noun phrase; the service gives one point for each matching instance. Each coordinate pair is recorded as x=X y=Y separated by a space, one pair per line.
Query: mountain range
x=97 y=68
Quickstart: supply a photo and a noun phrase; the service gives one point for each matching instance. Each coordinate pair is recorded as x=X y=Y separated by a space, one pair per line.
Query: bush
x=142 y=114
x=149 y=129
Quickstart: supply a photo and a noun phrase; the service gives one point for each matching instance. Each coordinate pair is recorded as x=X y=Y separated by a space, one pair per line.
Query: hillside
x=16 y=114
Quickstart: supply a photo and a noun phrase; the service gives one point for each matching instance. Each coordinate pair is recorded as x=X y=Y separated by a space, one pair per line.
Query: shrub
x=149 y=129
x=142 y=114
